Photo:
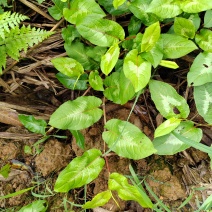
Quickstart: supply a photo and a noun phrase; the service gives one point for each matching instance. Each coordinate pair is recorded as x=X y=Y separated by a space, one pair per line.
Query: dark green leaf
x=134 y=25
x=56 y=11
x=73 y=83
x=80 y=140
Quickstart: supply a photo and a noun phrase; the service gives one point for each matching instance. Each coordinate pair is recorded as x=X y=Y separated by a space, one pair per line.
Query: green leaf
x=167 y=126
x=169 y=144
x=195 y=6
x=99 y=200
x=108 y=6
x=101 y=32
x=134 y=25
x=175 y=46
x=150 y=37
x=184 y=27
x=169 y=64
x=82 y=53
x=80 y=9
x=69 y=34
x=118 y=89
x=73 y=83
x=126 y=140
x=77 y=114
x=16 y=193
x=139 y=9
x=203 y=100
x=204 y=40
x=5 y=170
x=56 y=11
x=155 y=55
x=96 y=81
x=80 y=171
x=110 y=59
x=117 y=3
x=137 y=70
x=208 y=19
x=196 y=145
x=36 y=206
x=118 y=182
x=32 y=124
x=68 y=66
x=80 y=140
x=28 y=150
x=167 y=100
x=164 y=8
x=201 y=70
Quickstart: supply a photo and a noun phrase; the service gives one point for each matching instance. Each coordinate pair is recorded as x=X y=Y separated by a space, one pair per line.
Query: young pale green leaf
x=32 y=124
x=203 y=100
x=127 y=140
x=101 y=32
x=56 y=11
x=96 y=81
x=118 y=89
x=155 y=55
x=184 y=27
x=80 y=9
x=204 y=40
x=118 y=182
x=167 y=100
x=169 y=144
x=73 y=83
x=137 y=70
x=68 y=66
x=99 y=200
x=80 y=171
x=175 y=46
x=110 y=59
x=117 y=3
x=196 y=20
x=36 y=206
x=77 y=114
x=150 y=37
x=208 y=19
x=139 y=9
x=167 y=126
x=201 y=70
x=164 y=8
x=80 y=140
x=169 y=64
x=5 y=170
x=195 y=6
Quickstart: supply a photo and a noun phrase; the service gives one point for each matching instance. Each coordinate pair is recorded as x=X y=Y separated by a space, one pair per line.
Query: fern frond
x=18 y=39
x=9 y=21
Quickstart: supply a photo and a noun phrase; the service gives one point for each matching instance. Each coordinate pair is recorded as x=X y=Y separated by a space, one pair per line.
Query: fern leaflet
x=9 y=21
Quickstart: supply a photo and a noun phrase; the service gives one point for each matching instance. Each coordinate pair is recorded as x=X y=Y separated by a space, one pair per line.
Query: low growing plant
x=121 y=63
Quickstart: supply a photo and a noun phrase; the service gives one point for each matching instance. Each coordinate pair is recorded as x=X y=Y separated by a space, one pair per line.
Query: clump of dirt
x=53 y=158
